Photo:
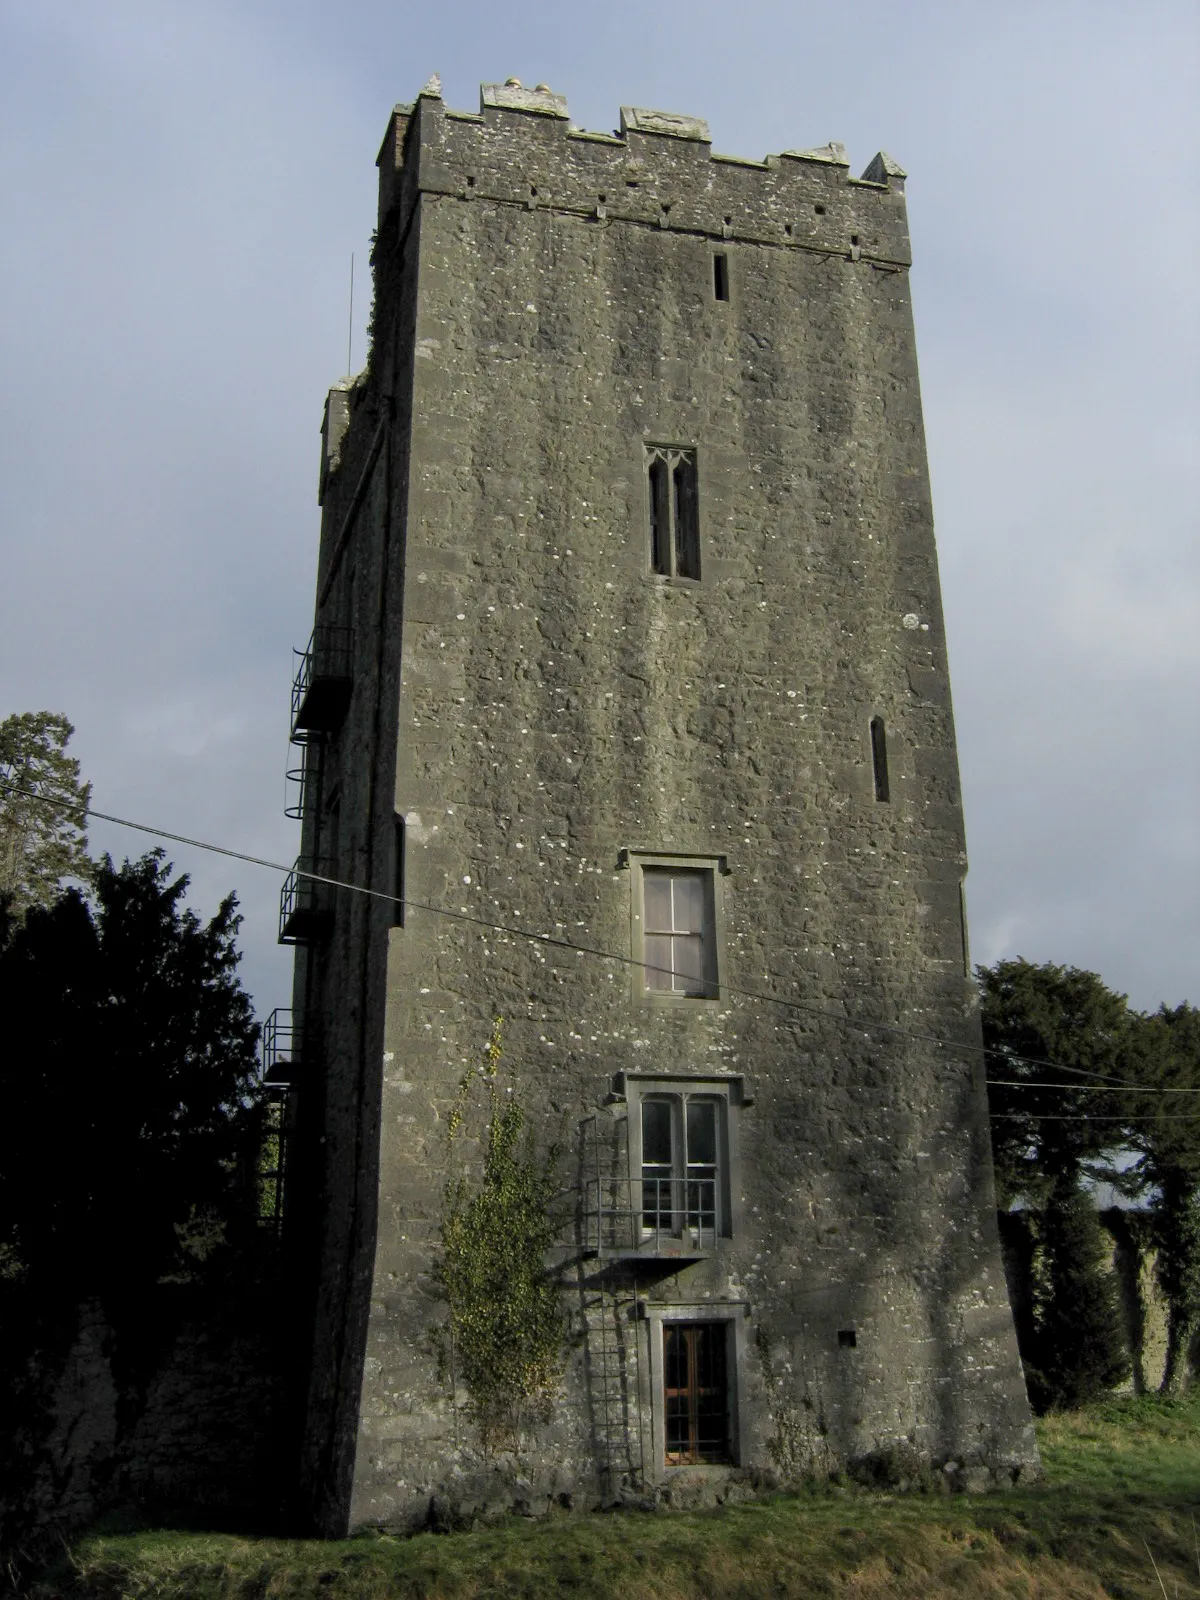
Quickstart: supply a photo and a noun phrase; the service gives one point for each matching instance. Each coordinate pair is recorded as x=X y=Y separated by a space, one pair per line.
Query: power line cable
x=1105 y=1083
x=1073 y=1088
x=1084 y=1116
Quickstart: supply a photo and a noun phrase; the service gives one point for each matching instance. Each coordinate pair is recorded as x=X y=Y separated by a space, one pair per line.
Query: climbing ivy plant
x=504 y=1336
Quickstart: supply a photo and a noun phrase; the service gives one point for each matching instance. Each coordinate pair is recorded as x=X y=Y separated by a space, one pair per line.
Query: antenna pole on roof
x=350 y=331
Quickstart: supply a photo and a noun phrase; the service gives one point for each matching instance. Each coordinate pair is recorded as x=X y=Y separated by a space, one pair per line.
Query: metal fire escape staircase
x=322 y=686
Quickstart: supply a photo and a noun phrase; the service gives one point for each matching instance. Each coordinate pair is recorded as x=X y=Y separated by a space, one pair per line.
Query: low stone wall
x=1133 y=1263
x=178 y=1419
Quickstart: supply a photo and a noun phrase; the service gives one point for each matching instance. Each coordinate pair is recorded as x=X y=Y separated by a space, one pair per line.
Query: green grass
x=1122 y=1483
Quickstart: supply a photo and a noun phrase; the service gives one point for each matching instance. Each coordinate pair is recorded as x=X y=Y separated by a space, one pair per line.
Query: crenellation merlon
x=512 y=96
x=832 y=154
x=664 y=124
x=659 y=170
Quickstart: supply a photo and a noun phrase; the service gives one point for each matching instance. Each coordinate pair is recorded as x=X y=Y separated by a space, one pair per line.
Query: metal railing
x=323 y=680
x=651 y=1218
x=279 y=1047
x=305 y=905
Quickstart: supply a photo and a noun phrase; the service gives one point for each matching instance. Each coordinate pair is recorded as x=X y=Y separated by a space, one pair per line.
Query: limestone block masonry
x=629 y=632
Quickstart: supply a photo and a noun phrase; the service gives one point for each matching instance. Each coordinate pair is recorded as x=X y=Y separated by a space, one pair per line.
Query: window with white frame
x=682 y=1178
x=678 y=929
x=683 y=1144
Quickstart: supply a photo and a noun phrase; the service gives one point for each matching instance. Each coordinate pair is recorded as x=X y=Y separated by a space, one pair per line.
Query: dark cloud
x=184 y=186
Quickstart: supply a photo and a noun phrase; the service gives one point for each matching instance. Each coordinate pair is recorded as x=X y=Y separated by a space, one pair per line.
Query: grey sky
x=184 y=181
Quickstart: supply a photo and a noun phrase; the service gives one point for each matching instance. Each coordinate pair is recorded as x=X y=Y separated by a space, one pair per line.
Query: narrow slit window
x=879 y=758
x=660 y=517
x=397 y=871
x=721 y=276
x=674 y=500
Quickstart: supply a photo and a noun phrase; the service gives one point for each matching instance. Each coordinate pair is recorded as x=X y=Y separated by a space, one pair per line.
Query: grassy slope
x=1120 y=1477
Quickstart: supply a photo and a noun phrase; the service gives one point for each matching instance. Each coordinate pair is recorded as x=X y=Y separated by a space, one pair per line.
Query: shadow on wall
x=168 y=1411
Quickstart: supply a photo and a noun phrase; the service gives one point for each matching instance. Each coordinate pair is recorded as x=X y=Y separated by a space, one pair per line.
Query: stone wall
x=537 y=707
x=177 y=1419
x=1132 y=1261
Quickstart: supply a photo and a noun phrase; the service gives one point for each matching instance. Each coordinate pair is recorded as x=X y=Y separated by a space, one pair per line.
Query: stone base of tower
x=927 y=1396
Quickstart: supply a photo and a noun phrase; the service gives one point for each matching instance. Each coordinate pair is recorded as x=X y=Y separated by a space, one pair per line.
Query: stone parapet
x=658 y=171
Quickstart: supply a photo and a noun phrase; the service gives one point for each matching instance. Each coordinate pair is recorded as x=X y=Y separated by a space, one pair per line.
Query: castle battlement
x=659 y=171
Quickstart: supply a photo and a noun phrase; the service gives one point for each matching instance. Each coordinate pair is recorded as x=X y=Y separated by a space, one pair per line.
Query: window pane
x=658 y=961
x=710 y=1355
x=712 y=1404
x=702 y=1133
x=688 y=902
x=674 y=1358
x=678 y=1394
x=688 y=963
x=701 y=1199
x=695 y=1393
x=660 y=518
x=658 y=1200
x=687 y=530
x=656 y=894
x=678 y=903
x=656 y=1132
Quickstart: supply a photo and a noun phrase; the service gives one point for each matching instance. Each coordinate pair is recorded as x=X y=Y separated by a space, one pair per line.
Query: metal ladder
x=616 y=1383
x=609 y=1385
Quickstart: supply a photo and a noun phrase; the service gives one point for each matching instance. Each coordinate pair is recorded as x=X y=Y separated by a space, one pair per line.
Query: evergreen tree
x=1164 y=1128
x=1069 y=1067
x=43 y=810
x=1059 y=1045
x=1054 y=1037
x=128 y=1118
x=1080 y=1351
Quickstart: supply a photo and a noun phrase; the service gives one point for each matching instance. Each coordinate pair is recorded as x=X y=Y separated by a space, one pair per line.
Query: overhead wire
x=1085 y=1116
x=1102 y=1082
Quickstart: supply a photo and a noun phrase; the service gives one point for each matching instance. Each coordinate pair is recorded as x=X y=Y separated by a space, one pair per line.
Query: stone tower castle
x=628 y=632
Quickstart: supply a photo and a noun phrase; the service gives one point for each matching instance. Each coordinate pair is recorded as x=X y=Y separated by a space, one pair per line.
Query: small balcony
x=651 y=1219
x=306 y=903
x=279 y=1049
x=323 y=681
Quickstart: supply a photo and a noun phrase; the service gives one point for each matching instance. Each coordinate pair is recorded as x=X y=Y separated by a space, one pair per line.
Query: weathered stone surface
x=536 y=703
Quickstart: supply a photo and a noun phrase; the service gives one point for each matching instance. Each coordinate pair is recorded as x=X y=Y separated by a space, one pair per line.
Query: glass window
x=673 y=489
x=679 y=946
x=682 y=1178
x=658 y=1166
x=696 y=1392
x=701 y=1158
